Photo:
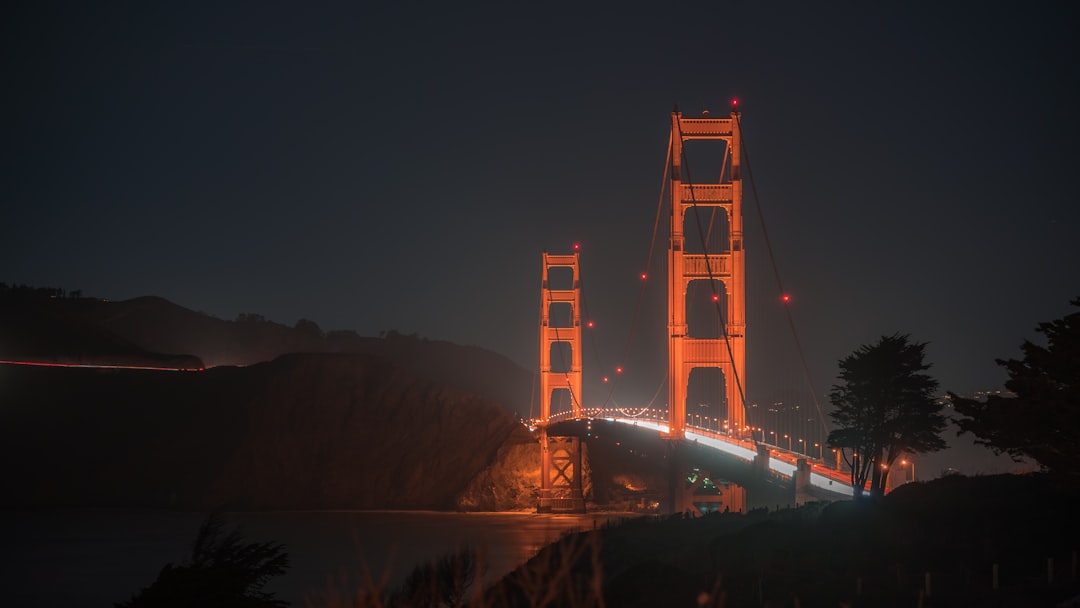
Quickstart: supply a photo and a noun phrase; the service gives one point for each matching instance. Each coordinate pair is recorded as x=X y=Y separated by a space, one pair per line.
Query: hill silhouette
x=302 y=431
x=931 y=543
x=282 y=417
x=45 y=324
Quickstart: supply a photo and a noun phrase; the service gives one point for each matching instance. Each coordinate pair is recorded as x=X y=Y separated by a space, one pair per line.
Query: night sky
x=402 y=166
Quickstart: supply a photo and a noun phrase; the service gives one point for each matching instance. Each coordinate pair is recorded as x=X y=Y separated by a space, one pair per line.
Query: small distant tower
x=686 y=352
x=560 y=457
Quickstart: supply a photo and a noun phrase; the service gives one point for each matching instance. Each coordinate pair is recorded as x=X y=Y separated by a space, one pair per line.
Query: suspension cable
x=645 y=279
x=779 y=283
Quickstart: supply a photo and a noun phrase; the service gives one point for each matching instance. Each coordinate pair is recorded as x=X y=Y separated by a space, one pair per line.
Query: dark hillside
x=302 y=431
x=952 y=530
x=98 y=331
x=38 y=327
x=157 y=324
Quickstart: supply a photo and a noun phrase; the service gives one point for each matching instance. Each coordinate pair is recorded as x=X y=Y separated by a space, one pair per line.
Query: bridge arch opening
x=561 y=315
x=702 y=320
x=715 y=227
x=561 y=401
x=706 y=399
x=705 y=161
x=560 y=278
x=561 y=358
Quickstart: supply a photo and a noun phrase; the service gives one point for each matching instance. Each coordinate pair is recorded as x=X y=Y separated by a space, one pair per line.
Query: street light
x=802 y=448
x=818 y=446
x=788 y=437
x=906 y=462
x=773 y=433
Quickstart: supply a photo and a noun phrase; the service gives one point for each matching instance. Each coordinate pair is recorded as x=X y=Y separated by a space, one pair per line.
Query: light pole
x=773 y=433
x=802 y=448
x=788 y=437
x=912 y=463
x=818 y=446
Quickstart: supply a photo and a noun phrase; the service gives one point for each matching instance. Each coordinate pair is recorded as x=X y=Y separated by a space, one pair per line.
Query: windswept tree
x=1042 y=420
x=884 y=407
x=223 y=571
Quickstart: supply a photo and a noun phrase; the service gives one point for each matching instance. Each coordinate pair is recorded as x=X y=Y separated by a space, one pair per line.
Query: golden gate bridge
x=701 y=255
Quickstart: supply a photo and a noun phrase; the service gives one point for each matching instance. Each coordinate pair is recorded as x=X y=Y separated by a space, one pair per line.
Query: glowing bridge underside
x=781 y=462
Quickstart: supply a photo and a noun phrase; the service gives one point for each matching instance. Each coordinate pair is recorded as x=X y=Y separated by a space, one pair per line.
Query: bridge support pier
x=761 y=462
x=689 y=481
x=679 y=496
x=802 y=482
x=560 y=475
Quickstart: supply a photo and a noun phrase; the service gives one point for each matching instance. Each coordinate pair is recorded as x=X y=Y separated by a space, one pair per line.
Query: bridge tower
x=686 y=352
x=560 y=457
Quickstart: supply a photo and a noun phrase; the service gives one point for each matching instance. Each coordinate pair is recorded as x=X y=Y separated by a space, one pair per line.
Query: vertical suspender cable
x=780 y=285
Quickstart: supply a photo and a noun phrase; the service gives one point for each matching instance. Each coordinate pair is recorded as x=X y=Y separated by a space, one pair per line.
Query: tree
x=223 y=571
x=442 y=583
x=309 y=327
x=1042 y=420
x=884 y=407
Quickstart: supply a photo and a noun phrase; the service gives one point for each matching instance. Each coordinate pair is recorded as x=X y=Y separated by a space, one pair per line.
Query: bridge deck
x=781 y=461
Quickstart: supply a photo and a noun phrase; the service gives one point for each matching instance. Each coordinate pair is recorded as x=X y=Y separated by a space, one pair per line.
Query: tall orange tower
x=686 y=352
x=550 y=335
x=560 y=457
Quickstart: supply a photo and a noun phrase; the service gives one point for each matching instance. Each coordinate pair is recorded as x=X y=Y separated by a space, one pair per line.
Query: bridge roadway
x=781 y=462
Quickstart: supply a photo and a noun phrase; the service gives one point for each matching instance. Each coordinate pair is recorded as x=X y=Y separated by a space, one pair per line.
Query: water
x=97 y=557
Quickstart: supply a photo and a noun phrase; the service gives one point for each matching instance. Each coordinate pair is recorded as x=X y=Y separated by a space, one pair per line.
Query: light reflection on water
x=97 y=557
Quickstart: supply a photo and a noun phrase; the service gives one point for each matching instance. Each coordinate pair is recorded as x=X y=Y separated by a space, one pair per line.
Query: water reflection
x=97 y=557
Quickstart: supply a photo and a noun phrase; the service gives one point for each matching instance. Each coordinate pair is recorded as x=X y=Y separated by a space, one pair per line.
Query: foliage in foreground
x=223 y=570
x=1042 y=421
x=956 y=532
x=885 y=407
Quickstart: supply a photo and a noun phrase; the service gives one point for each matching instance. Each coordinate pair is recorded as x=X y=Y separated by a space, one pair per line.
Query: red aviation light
x=577 y=246
x=715 y=298
x=605 y=378
x=734 y=103
x=786 y=298
x=590 y=324
x=644 y=276
x=618 y=370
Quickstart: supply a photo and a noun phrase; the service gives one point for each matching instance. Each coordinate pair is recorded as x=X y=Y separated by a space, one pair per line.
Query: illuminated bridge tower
x=686 y=352
x=552 y=335
x=560 y=457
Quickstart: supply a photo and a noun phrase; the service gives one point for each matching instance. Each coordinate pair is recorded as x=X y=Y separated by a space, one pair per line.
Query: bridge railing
x=711 y=428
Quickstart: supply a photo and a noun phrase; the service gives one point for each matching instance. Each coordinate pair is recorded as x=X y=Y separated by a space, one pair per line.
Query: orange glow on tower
x=560 y=457
x=550 y=335
x=685 y=352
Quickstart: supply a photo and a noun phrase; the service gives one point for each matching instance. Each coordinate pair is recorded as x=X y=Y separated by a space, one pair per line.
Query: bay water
x=96 y=557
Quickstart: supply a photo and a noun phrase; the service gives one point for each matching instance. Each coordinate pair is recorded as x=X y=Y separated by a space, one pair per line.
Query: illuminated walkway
x=782 y=462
